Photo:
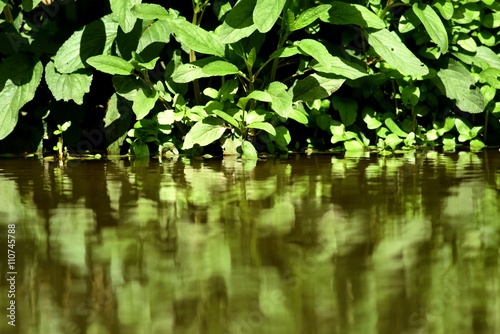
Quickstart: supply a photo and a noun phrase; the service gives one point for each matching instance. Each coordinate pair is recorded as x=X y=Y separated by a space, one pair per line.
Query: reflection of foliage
x=219 y=245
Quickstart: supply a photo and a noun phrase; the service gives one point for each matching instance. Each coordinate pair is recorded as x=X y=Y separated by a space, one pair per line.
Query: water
x=315 y=244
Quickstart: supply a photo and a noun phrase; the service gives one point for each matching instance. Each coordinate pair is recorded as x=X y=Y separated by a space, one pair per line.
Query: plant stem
x=8 y=14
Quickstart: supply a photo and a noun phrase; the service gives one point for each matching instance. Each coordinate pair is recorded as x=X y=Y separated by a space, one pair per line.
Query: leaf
x=315 y=86
x=327 y=62
x=309 y=16
x=150 y=12
x=204 y=68
x=143 y=103
x=19 y=79
x=159 y=31
x=260 y=96
x=408 y=21
x=393 y=140
x=389 y=46
x=345 y=13
x=196 y=38
x=121 y=8
x=204 y=133
x=347 y=109
x=281 y=101
x=299 y=116
x=456 y=82
x=371 y=121
x=484 y=58
x=433 y=25
x=111 y=65
x=238 y=23
x=263 y=126
x=445 y=8
x=140 y=150
x=228 y=118
x=492 y=20
x=410 y=96
x=282 y=137
x=266 y=13
x=476 y=145
x=353 y=145
x=395 y=129
x=249 y=151
x=67 y=87
x=491 y=76
x=93 y=39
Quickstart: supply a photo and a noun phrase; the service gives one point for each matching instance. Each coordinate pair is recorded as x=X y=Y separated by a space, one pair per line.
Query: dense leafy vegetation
x=250 y=76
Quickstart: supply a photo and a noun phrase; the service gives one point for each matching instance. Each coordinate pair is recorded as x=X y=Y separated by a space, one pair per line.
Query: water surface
x=316 y=244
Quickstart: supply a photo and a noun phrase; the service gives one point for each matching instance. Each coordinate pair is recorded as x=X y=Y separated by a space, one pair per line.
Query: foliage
x=264 y=76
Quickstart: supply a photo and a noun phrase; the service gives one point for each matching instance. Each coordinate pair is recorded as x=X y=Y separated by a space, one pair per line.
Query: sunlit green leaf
x=345 y=13
x=315 y=86
x=393 y=51
x=93 y=39
x=20 y=76
x=266 y=12
x=263 y=126
x=122 y=10
x=67 y=87
x=433 y=25
x=196 y=38
x=204 y=132
x=111 y=64
x=238 y=23
x=309 y=16
x=281 y=101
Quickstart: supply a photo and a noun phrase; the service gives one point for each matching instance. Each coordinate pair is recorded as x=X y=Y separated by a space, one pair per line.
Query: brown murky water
x=315 y=244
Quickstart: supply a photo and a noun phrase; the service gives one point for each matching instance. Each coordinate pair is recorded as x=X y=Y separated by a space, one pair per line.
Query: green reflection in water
x=306 y=245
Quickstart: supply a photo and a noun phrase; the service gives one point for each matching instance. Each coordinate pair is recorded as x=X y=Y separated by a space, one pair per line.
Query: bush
x=251 y=76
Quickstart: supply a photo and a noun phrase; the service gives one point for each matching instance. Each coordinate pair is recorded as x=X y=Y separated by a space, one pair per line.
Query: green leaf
x=249 y=151
x=345 y=13
x=150 y=12
x=445 y=8
x=484 y=58
x=371 y=121
x=327 y=62
x=299 y=116
x=408 y=21
x=462 y=127
x=111 y=65
x=204 y=68
x=353 y=145
x=282 y=137
x=166 y=117
x=476 y=145
x=433 y=25
x=309 y=16
x=266 y=13
x=467 y=43
x=490 y=76
x=457 y=81
x=140 y=150
x=143 y=103
x=196 y=38
x=492 y=20
x=263 y=126
x=157 y=32
x=281 y=101
x=315 y=86
x=238 y=23
x=395 y=129
x=389 y=46
x=393 y=140
x=260 y=96
x=122 y=10
x=204 y=133
x=67 y=87
x=20 y=76
x=228 y=118
x=347 y=109
x=410 y=96
x=93 y=39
